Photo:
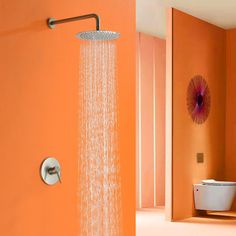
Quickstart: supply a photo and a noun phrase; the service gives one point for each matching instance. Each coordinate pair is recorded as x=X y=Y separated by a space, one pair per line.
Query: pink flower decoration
x=198 y=99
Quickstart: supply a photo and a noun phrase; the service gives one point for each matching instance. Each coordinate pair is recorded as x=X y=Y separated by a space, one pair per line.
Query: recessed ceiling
x=151 y=14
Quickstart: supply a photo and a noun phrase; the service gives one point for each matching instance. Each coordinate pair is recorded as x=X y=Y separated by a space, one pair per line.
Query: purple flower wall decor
x=198 y=99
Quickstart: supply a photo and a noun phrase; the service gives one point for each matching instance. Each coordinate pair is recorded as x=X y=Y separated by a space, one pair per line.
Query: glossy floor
x=150 y=222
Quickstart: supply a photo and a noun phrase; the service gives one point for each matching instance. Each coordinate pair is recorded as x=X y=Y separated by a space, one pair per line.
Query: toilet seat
x=218 y=183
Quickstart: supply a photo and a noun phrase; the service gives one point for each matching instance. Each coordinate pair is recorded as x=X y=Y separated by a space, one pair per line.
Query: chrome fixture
x=53 y=22
x=50 y=171
x=88 y=35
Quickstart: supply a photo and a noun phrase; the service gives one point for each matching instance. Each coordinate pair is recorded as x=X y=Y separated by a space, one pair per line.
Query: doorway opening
x=150 y=122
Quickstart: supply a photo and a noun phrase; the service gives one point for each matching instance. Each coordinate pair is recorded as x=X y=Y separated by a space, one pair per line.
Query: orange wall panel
x=137 y=164
x=160 y=84
x=198 y=48
x=230 y=154
x=147 y=129
x=168 y=117
x=39 y=104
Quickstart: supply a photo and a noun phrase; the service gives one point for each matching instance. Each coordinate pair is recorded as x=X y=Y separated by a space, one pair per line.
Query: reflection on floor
x=151 y=222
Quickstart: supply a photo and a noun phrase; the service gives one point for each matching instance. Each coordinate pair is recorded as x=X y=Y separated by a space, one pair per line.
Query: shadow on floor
x=213 y=218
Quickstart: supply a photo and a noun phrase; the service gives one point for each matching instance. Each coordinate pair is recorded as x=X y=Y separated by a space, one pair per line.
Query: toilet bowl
x=214 y=195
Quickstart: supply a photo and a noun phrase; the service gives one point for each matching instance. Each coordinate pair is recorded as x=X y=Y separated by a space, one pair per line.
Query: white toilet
x=214 y=195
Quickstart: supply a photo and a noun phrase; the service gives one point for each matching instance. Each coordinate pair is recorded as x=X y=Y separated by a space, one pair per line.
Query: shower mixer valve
x=53 y=171
x=50 y=171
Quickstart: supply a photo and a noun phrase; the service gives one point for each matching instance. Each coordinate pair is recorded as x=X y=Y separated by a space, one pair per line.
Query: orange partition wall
x=39 y=111
x=160 y=84
x=198 y=49
x=147 y=122
x=138 y=125
x=168 y=117
x=150 y=139
x=230 y=160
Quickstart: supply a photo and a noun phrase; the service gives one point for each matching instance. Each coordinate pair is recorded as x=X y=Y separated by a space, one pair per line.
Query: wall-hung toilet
x=214 y=195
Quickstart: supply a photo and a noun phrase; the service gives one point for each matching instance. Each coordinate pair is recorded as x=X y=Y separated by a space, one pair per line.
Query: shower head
x=98 y=35
x=87 y=35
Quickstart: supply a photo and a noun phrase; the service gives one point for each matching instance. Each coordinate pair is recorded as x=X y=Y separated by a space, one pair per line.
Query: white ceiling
x=151 y=14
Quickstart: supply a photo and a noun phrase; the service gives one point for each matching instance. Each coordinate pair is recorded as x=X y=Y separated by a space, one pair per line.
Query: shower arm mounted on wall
x=51 y=22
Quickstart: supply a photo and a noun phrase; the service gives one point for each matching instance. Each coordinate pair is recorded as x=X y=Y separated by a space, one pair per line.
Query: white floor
x=151 y=222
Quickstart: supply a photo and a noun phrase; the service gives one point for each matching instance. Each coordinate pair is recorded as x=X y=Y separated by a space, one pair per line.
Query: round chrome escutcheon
x=50 y=171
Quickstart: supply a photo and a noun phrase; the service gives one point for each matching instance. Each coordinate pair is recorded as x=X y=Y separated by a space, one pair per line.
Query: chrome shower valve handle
x=51 y=171
x=55 y=170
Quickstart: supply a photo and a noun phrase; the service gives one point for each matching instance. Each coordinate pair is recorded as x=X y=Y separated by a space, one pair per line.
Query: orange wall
x=38 y=93
x=151 y=119
x=168 y=117
x=147 y=123
x=198 y=48
x=230 y=160
x=137 y=174
x=160 y=83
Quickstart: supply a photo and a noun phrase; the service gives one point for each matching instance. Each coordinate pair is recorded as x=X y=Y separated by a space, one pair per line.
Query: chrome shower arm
x=51 y=22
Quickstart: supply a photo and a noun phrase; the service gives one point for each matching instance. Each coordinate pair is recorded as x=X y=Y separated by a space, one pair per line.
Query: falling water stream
x=99 y=189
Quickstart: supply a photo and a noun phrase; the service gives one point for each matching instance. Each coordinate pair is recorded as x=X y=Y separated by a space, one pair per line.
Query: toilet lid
x=218 y=183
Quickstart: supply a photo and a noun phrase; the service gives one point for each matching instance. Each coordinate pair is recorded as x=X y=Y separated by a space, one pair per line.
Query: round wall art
x=198 y=99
